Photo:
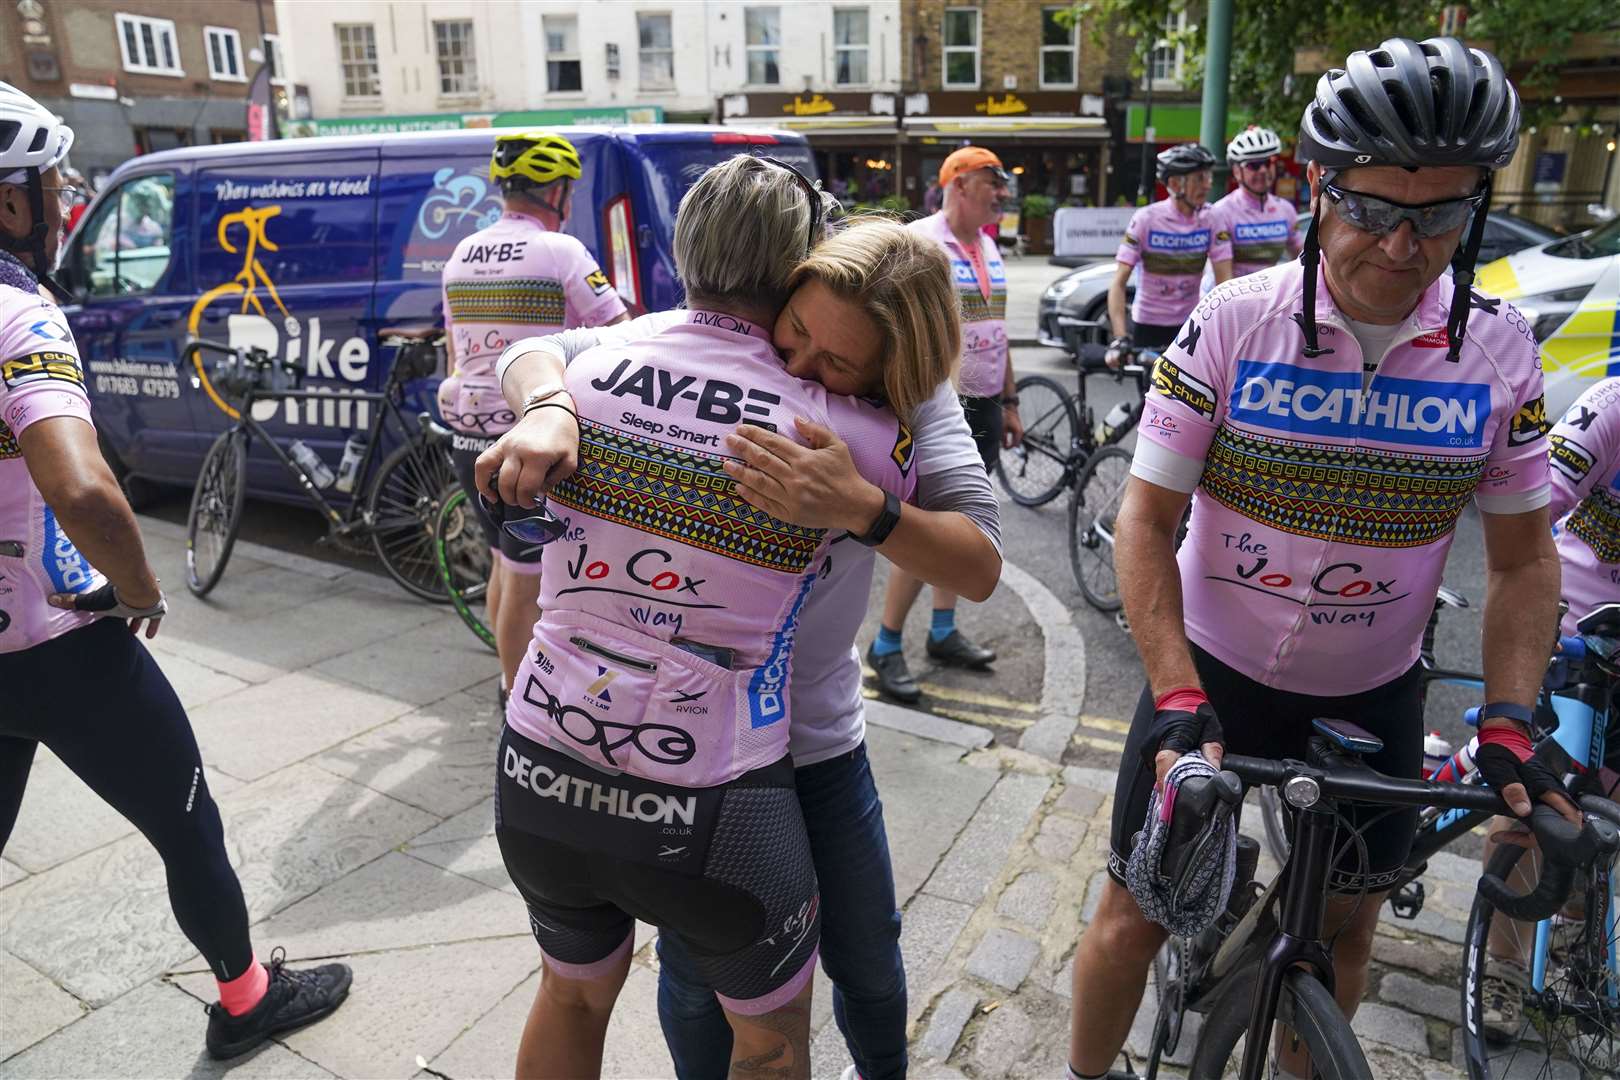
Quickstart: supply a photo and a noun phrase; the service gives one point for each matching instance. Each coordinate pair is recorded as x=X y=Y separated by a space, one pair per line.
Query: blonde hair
x=903 y=282
x=739 y=232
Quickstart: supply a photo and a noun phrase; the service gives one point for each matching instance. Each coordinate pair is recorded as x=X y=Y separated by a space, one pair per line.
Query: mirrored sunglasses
x=535 y=525
x=1380 y=217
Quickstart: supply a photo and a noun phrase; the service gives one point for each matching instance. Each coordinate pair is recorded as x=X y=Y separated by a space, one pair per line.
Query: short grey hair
x=739 y=233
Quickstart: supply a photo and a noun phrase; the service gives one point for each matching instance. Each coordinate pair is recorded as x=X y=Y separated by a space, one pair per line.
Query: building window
x=562 y=53
x=1164 y=67
x=961 y=48
x=657 y=51
x=357 y=55
x=852 y=46
x=458 y=67
x=277 y=59
x=763 y=26
x=148 y=45
x=612 y=59
x=1059 y=64
x=224 y=48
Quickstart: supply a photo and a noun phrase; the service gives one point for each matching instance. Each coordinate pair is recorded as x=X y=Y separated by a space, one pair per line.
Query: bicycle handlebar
x=252 y=354
x=1568 y=846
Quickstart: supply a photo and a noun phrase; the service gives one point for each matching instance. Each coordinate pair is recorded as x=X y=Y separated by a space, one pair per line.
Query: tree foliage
x=1533 y=35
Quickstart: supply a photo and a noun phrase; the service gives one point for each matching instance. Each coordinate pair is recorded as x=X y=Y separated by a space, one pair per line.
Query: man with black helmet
x=1331 y=419
x=1170 y=240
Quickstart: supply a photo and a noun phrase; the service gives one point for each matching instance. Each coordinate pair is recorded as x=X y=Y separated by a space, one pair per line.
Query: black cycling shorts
x=726 y=869
x=985 y=423
x=1153 y=336
x=518 y=556
x=1261 y=721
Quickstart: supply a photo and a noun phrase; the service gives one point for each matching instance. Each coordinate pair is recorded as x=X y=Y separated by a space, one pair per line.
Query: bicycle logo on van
x=453 y=200
x=252 y=325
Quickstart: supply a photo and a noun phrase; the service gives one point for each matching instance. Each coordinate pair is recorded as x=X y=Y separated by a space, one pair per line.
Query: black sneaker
x=958 y=651
x=293 y=999
x=894 y=677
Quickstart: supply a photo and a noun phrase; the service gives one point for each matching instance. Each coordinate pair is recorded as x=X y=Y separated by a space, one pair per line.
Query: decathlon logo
x=767 y=690
x=1412 y=412
x=68 y=570
x=1197 y=240
x=1259 y=231
x=597 y=798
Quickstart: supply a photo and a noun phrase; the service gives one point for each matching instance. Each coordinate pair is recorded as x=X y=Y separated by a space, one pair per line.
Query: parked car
x=1083 y=293
x=316 y=250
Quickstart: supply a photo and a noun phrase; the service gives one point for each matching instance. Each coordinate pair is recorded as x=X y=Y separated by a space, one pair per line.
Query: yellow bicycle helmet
x=533 y=158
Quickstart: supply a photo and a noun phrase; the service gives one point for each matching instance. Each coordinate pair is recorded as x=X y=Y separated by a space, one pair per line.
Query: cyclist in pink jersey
x=75 y=588
x=1330 y=420
x=1254 y=229
x=661 y=664
x=1585 y=457
x=1170 y=241
x=517 y=277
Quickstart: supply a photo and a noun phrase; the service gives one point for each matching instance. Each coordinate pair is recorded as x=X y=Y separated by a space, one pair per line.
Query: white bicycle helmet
x=31 y=137
x=1253 y=144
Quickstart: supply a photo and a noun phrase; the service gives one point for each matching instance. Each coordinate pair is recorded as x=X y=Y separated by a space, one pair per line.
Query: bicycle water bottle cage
x=1348 y=737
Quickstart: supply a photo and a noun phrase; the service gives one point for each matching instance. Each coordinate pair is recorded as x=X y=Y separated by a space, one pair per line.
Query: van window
x=124 y=249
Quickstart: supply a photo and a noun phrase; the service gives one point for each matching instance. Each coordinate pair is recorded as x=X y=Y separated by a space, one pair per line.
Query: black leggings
x=97 y=698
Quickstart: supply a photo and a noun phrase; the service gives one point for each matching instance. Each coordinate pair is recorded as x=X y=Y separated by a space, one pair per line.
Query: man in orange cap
x=974 y=185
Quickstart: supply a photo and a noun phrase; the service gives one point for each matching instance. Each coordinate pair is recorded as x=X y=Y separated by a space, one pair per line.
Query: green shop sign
x=1178 y=123
x=382 y=125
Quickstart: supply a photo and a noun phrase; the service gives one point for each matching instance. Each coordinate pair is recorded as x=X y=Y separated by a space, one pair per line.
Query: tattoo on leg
x=791 y=1026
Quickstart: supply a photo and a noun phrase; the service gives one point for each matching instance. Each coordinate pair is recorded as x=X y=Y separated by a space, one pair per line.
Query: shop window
x=562 y=54
x=357 y=53
x=224 y=48
x=1059 y=62
x=763 y=29
x=458 y=66
x=961 y=39
x=148 y=45
x=1165 y=65
x=852 y=46
x=124 y=249
x=657 y=51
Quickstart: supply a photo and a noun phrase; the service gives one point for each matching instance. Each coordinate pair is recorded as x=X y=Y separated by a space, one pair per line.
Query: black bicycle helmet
x=1183 y=159
x=1417 y=105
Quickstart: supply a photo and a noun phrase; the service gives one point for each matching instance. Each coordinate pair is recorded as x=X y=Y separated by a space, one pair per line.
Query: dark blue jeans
x=860 y=935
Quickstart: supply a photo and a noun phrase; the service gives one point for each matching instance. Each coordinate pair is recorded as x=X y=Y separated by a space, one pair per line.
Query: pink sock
x=240 y=994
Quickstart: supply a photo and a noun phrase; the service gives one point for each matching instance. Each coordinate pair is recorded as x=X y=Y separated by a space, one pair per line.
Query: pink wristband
x=1186 y=699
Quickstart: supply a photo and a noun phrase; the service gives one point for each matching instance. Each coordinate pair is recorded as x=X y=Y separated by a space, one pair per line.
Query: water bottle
x=349 y=467
x=1460 y=765
x=319 y=473
x=1436 y=752
x=1117 y=418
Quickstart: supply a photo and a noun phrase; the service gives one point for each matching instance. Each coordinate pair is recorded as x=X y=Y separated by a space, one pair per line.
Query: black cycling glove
x=1181 y=726
x=106 y=600
x=1505 y=757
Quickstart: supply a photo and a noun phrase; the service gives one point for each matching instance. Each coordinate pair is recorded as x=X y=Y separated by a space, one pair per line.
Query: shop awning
x=820 y=125
x=1075 y=128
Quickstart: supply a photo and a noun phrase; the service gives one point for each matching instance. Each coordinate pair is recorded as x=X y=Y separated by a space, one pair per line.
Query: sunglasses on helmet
x=1380 y=217
x=810 y=192
x=535 y=525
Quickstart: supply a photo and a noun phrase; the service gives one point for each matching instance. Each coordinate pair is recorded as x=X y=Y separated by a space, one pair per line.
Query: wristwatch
x=887 y=519
x=1508 y=709
x=541 y=394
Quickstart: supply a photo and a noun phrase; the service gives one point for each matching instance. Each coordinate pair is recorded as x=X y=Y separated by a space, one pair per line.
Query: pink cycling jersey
x=671 y=605
x=1171 y=248
x=984 y=317
x=42 y=378
x=1253 y=233
x=1324 y=506
x=511 y=280
x=1585 y=456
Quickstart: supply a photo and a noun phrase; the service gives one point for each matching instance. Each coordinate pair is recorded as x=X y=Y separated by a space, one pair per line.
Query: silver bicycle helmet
x=1415 y=104
x=1183 y=159
x=1253 y=144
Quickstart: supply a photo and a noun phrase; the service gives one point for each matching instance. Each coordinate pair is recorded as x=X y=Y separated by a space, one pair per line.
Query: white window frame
x=749 y=51
x=376 y=65
x=977 y=49
x=468 y=58
x=272 y=44
x=866 y=48
x=1175 y=22
x=562 y=57
x=642 y=52
x=158 y=27
x=1072 y=48
x=235 y=38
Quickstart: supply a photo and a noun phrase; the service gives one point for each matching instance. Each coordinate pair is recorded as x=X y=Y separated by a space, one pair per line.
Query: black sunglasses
x=810 y=192
x=535 y=525
x=1380 y=217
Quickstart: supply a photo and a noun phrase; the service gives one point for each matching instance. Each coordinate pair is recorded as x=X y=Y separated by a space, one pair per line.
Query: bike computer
x=1347 y=736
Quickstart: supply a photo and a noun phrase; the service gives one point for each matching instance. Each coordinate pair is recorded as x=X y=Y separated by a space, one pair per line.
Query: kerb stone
x=951 y=1015
x=975 y=860
x=1004 y=958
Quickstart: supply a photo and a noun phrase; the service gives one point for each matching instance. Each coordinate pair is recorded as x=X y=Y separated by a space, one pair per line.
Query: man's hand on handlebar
x=1120 y=352
x=1509 y=765
x=540 y=451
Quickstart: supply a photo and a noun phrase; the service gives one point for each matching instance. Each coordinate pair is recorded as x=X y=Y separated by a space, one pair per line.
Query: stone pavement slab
x=194 y=683
x=31 y=1006
x=10 y=873
x=927 y=934
x=153 y=1031
x=955 y=1008
x=928 y=798
x=976 y=858
x=419 y=665
x=1003 y=957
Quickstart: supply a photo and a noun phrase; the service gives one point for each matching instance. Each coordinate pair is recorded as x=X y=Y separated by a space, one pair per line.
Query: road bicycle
x=394 y=505
x=1060 y=430
x=460 y=550
x=1267 y=959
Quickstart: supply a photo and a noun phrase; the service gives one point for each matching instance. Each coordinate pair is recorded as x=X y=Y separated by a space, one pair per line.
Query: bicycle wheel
x=1572 y=1026
x=1092 y=510
x=216 y=511
x=464 y=561
x=404 y=509
x=1034 y=471
x=1274 y=816
x=1308 y=1013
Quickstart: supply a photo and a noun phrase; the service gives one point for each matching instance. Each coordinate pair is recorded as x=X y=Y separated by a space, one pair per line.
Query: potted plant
x=1036 y=222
